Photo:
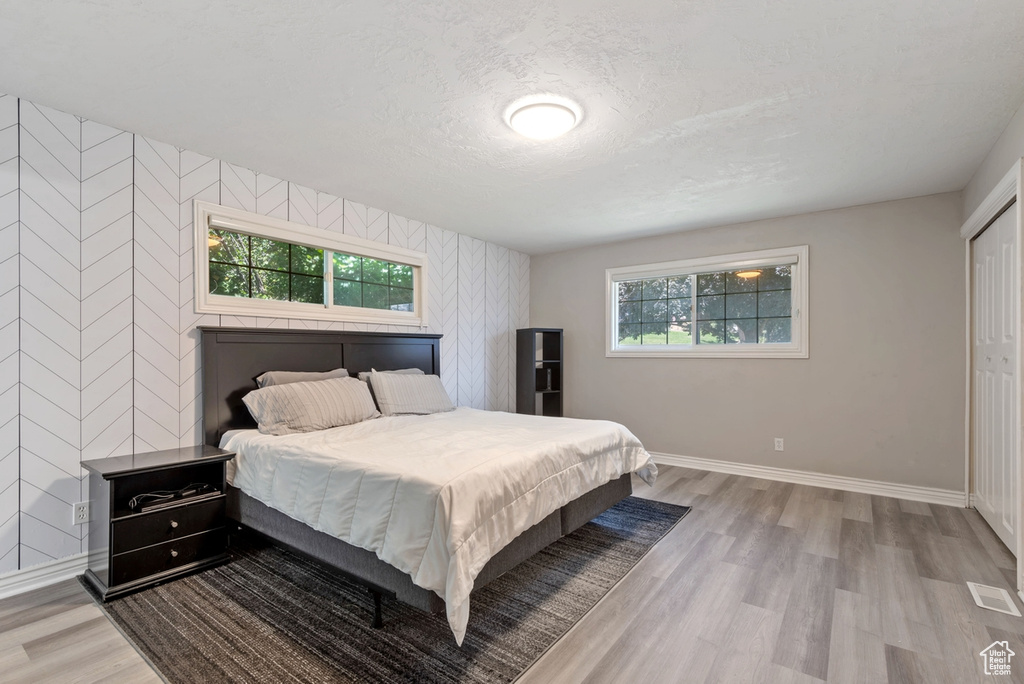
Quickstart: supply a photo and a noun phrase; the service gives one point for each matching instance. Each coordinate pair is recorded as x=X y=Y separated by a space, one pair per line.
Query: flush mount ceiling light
x=748 y=274
x=543 y=117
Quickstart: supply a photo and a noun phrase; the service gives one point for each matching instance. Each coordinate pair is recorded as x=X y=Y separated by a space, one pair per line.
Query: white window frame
x=796 y=349
x=208 y=215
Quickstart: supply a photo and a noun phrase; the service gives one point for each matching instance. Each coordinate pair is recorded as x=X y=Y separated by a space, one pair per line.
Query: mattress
x=435 y=496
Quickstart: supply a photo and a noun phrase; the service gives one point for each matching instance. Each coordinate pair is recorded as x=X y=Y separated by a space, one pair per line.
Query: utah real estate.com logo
x=997 y=658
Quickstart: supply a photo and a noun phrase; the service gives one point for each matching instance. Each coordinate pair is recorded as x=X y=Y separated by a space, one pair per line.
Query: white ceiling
x=697 y=112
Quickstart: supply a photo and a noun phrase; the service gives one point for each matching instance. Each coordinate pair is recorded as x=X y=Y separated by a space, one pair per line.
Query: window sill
x=735 y=352
x=237 y=306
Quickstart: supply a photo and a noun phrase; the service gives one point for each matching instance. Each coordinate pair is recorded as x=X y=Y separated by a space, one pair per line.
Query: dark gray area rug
x=274 y=616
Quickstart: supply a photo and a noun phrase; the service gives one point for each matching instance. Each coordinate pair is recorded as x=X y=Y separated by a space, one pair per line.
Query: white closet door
x=994 y=392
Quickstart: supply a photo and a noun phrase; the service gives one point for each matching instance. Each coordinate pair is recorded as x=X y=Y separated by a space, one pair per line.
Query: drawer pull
x=174 y=554
x=174 y=523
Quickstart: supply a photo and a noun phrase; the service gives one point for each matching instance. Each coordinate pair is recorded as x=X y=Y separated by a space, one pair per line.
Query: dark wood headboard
x=234 y=357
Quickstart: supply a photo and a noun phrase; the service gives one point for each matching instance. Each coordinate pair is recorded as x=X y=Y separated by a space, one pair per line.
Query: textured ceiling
x=697 y=112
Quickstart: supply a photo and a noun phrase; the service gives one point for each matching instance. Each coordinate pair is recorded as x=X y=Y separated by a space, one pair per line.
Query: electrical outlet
x=80 y=514
x=778 y=444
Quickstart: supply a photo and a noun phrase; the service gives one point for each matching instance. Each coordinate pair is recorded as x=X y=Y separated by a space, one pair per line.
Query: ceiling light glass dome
x=543 y=117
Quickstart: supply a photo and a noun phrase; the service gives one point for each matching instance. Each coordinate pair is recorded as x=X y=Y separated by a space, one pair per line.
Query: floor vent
x=993 y=598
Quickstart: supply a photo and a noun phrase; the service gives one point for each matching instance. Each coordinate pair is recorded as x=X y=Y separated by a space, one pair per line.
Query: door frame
x=1008 y=190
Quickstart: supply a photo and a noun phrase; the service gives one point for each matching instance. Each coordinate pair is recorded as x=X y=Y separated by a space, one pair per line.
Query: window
x=260 y=266
x=254 y=267
x=750 y=305
x=372 y=283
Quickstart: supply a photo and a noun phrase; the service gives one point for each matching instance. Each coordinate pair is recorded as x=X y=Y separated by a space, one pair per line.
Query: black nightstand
x=131 y=548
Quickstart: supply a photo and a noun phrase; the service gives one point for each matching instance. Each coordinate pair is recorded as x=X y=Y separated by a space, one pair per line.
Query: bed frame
x=234 y=357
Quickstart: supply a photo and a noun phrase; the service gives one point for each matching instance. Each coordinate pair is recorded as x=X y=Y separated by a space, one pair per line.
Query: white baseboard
x=39 y=576
x=945 y=497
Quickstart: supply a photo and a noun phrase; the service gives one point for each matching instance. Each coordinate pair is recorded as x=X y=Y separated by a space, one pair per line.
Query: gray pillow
x=365 y=375
x=400 y=394
x=271 y=378
x=307 y=406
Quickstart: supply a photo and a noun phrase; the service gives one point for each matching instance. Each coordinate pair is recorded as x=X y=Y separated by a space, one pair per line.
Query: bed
x=284 y=494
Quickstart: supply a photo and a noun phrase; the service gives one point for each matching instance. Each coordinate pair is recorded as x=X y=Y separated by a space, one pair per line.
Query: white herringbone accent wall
x=9 y=329
x=107 y=195
x=200 y=180
x=50 y=262
x=472 y=322
x=156 y=295
x=99 y=349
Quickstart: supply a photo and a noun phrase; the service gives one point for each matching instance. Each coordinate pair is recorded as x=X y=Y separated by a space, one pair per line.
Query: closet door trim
x=1006 y=192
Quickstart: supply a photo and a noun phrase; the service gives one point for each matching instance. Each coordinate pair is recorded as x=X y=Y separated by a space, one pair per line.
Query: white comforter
x=435 y=496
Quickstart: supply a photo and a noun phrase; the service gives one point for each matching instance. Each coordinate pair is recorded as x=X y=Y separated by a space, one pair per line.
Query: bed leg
x=378 y=619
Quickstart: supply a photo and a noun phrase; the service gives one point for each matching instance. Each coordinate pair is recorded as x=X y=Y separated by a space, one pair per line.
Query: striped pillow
x=365 y=375
x=308 y=406
x=271 y=378
x=399 y=394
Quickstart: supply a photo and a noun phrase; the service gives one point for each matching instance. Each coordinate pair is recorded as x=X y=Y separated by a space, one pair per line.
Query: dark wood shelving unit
x=539 y=371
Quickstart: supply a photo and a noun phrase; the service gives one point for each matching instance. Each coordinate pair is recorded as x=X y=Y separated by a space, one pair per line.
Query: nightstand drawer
x=166 y=525
x=152 y=560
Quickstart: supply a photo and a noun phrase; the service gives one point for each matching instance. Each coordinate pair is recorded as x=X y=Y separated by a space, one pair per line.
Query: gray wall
x=1009 y=148
x=882 y=394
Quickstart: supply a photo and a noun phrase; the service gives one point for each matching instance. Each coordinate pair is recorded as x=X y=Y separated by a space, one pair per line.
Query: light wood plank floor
x=762 y=582
x=57 y=634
